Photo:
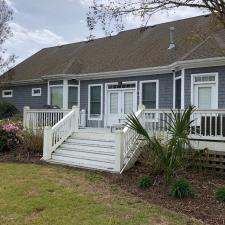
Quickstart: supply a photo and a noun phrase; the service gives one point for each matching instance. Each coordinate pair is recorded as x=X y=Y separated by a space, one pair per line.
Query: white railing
x=207 y=124
x=56 y=135
x=40 y=118
x=126 y=142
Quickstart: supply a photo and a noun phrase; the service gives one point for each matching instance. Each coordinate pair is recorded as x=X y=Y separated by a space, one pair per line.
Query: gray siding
x=221 y=87
x=165 y=89
x=22 y=96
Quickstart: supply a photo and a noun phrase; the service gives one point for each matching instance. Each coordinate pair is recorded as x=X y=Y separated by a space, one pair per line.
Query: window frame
x=35 y=95
x=157 y=91
x=7 y=96
x=89 y=101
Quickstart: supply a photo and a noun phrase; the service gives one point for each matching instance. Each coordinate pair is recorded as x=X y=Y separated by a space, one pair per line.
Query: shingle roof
x=132 y=49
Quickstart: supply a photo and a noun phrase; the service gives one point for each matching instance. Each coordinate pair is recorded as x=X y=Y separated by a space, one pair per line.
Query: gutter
x=186 y=64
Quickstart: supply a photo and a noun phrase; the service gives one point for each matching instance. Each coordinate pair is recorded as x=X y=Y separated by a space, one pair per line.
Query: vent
x=172 y=43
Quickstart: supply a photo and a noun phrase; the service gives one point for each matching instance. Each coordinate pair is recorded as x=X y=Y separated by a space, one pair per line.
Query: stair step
x=90 y=149
x=109 y=164
x=85 y=154
x=91 y=142
x=94 y=136
x=86 y=166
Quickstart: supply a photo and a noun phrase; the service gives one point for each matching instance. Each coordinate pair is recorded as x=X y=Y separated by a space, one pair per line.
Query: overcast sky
x=43 y=23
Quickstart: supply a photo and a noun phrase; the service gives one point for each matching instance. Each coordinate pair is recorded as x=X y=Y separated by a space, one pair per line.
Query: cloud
x=43 y=36
x=25 y=42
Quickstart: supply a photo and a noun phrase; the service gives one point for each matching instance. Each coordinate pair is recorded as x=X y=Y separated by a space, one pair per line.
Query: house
x=169 y=65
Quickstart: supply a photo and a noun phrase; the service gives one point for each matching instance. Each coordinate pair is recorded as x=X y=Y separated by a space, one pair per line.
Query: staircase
x=88 y=149
x=93 y=148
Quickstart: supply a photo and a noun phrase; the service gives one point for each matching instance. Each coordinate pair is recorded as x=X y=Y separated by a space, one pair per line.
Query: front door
x=120 y=104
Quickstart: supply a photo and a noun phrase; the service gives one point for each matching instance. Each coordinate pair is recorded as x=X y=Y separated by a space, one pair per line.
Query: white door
x=204 y=96
x=120 y=104
x=114 y=107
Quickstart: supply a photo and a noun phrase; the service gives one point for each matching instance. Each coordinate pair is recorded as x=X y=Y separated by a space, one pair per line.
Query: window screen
x=72 y=97
x=95 y=100
x=149 y=95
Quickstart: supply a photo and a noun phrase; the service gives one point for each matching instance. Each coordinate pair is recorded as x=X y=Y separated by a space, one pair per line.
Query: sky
x=39 y=24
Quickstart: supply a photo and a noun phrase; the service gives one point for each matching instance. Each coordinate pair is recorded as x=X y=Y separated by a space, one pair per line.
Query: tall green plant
x=169 y=155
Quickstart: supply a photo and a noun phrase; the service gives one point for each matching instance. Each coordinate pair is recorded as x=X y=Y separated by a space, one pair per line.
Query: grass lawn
x=54 y=195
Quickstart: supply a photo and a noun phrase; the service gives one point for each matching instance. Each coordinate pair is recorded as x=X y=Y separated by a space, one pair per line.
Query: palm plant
x=169 y=155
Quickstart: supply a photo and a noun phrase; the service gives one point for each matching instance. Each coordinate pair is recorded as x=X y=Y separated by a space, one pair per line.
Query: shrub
x=220 y=193
x=144 y=181
x=181 y=189
x=169 y=154
x=7 y=110
x=33 y=141
x=10 y=136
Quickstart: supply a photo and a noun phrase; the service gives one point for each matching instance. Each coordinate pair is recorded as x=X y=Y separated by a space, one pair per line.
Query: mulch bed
x=20 y=157
x=202 y=206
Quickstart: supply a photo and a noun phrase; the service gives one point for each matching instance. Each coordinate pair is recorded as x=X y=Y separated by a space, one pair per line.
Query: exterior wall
x=22 y=96
x=221 y=83
x=165 y=89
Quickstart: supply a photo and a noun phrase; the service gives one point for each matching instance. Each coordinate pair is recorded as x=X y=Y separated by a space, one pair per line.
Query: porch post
x=119 y=150
x=47 y=143
x=25 y=118
x=76 y=109
x=182 y=88
x=65 y=94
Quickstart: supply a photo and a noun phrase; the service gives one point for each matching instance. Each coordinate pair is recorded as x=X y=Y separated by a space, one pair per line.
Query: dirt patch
x=202 y=206
x=17 y=156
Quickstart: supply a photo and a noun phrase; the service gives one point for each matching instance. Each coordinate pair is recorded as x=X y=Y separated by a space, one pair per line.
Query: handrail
x=126 y=142
x=56 y=135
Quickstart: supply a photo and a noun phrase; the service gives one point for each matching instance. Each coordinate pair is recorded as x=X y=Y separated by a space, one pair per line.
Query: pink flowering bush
x=10 y=136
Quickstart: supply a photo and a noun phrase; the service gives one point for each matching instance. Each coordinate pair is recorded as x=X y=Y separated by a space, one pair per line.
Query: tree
x=110 y=13
x=6 y=15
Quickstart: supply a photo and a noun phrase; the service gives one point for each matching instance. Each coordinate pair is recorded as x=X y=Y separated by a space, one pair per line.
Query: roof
x=195 y=38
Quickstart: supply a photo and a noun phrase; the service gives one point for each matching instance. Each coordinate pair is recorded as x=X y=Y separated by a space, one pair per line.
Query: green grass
x=54 y=195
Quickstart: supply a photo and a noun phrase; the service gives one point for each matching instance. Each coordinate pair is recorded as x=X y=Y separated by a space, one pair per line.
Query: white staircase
x=93 y=148
x=87 y=149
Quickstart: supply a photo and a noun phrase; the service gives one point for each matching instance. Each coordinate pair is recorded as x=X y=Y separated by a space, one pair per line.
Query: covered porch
x=207 y=129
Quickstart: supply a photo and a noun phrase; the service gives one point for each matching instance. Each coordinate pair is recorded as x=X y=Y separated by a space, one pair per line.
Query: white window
x=56 y=96
x=205 y=90
x=149 y=94
x=7 y=93
x=95 y=102
x=36 y=92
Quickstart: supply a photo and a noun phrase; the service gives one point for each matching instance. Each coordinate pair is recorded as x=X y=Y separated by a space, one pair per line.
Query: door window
x=128 y=102
x=113 y=103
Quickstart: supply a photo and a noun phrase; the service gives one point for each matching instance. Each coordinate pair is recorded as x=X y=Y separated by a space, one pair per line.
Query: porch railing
x=40 y=118
x=207 y=124
x=56 y=135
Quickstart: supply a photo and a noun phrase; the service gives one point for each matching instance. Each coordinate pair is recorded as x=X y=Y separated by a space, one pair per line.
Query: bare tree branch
x=110 y=13
x=6 y=15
